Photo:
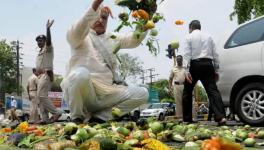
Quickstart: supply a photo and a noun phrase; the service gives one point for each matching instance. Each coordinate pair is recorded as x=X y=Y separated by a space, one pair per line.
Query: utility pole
x=17 y=46
x=18 y=73
x=151 y=75
x=143 y=76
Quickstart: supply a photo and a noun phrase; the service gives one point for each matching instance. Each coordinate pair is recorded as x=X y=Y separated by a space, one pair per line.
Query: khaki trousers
x=34 y=116
x=45 y=104
x=177 y=91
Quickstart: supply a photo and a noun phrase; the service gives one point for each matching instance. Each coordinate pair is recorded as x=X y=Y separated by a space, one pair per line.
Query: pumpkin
x=179 y=22
x=212 y=144
x=135 y=14
x=143 y=14
x=154 y=145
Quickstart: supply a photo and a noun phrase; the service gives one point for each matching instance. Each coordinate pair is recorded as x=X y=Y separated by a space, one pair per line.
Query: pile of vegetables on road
x=143 y=135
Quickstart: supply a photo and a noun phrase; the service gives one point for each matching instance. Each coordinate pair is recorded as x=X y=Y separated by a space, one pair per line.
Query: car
x=241 y=74
x=65 y=116
x=202 y=110
x=157 y=110
x=134 y=115
x=170 y=109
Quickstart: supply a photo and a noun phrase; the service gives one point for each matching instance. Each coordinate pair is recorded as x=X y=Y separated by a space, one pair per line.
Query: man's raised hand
x=50 y=23
x=96 y=4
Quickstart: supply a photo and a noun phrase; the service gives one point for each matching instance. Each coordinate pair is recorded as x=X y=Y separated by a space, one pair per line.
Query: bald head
x=101 y=23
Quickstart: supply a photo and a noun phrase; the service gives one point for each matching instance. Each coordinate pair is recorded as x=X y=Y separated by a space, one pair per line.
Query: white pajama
x=84 y=102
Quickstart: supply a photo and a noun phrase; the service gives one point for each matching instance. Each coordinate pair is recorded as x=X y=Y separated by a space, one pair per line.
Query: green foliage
x=200 y=94
x=55 y=87
x=162 y=87
x=7 y=68
x=130 y=66
x=247 y=9
x=167 y=100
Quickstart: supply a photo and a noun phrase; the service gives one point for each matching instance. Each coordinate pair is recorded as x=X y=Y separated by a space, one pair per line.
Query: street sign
x=153 y=96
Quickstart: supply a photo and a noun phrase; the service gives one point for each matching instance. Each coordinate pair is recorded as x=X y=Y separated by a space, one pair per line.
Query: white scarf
x=102 y=45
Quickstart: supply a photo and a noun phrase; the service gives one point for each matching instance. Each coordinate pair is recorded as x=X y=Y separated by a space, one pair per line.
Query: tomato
x=31 y=128
x=251 y=135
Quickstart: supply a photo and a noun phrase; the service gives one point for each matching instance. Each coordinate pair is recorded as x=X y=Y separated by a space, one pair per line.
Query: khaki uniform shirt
x=45 y=58
x=178 y=74
x=32 y=82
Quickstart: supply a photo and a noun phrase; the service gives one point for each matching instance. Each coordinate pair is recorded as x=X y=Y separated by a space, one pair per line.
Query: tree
x=162 y=87
x=7 y=69
x=247 y=9
x=55 y=87
x=130 y=66
x=200 y=94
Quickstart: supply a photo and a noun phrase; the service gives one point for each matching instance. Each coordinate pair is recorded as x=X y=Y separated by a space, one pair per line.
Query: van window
x=247 y=34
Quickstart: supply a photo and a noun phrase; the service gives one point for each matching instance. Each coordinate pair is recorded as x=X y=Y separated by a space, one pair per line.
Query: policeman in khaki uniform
x=176 y=84
x=44 y=65
x=32 y=95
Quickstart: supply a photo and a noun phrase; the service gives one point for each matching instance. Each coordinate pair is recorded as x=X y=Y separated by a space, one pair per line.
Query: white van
x=241 y=81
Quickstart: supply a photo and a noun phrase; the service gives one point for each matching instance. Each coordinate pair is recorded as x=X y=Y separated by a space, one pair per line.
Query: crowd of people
x=92 y=84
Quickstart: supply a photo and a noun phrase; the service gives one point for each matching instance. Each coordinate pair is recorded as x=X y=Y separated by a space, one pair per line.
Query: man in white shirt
x=13 y=109
x=91 y=81
x=13 y=102
x=202 y=63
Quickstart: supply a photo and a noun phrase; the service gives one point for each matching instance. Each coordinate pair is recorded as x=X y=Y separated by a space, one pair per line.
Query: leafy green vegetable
x=26 y=142
x=150 y=43
x=3 y=139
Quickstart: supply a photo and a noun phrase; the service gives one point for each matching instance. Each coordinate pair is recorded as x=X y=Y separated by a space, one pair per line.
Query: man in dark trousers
x=202 y=63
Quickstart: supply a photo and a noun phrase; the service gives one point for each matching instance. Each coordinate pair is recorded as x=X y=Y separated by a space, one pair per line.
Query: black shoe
x=42 y=122
x=190 y=122
x=231 y=117
x=77 y=121
x=222 y=122
x=96 y=120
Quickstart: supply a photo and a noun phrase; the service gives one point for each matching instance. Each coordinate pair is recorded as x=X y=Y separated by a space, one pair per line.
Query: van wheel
x=161 y=117
x=136 y=116
x=26 y=117
x=68 y=119
x=250 y=104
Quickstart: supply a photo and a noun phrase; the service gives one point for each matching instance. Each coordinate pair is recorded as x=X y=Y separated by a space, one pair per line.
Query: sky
x=23 y=20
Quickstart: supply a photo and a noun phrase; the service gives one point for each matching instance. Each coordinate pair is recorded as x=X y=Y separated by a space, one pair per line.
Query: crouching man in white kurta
x=91 y=81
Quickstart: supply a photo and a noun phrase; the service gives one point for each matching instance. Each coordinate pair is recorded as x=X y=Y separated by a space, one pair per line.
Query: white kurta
x=93 y=68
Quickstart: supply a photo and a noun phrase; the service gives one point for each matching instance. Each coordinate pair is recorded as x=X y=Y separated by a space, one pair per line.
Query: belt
x=32 y=90
x=201 y=59
x=178 y=83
